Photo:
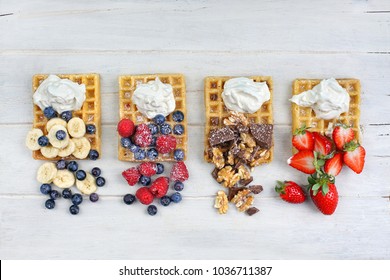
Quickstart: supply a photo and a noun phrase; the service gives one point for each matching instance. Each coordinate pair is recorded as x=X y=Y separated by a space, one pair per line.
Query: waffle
x=127 y=85
x=306 y=116
x=216 y=110
x=89 y=112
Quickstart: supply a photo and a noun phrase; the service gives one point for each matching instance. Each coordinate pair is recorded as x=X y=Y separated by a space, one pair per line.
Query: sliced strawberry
x=303 y=139
x=341 y=135
x=303 y=161
x=333 y=166
x=354 y=156
x=322 y=144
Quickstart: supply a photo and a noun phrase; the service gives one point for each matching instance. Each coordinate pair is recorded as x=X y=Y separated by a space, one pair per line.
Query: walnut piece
x=248 y=140
x=236 y=118
x=259 y=157
x=228 y=176
x=218 y=158
x=221 y=202
x=244 y=172
x=243 y=200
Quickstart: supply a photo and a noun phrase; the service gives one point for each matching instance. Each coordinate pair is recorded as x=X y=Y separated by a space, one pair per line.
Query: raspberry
x=144 y=195
x=131 y=175
x=125 y=128
x=165 y=144
x=179 y=172
x=143 y=136
x=147 y=169
x=159 y=187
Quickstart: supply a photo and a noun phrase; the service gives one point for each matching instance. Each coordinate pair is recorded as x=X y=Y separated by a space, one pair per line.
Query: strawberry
x=341 y=135
x=290 y=191
x=354 y=156
x=143 y=136
x=165 y=143
x=303 y=139
x=179 y=172
x=333 y=165
x=131 y=175
x=303 y=161
x=147 y=169
x=125 y=128
x=327 y=199
x=159 y=187
x=322 y=144
x=144 y=195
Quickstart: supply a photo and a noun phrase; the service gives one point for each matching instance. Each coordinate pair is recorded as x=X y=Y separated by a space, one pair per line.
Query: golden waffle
x=89 y=112
x=306 y=116
x=216 y=111
x=127 y=85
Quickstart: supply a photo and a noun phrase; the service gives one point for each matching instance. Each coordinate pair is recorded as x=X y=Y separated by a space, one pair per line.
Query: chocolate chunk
x=255 y=150
x=256 y=189
x=262 y=134
x=252 y=210
x=215 y=173
x=246 y=182
x=233 y=192
x=221 y=135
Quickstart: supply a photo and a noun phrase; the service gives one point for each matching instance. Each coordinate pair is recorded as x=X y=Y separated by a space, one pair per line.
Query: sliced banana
x=49 y=151
x=83 y=146
x=68 y=150
x=55 y=121
x=32 y=139
x=76 y=127
x=53 y=138
x=46 y=173
x=64 y=179
x=88 y=185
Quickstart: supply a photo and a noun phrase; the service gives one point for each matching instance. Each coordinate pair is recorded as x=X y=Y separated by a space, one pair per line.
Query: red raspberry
x=143 y=136
x=144 y=195
x=159 y=187
x=131 y=175
x=165 y=144
x=179 y=172
x=147 y=169
x=125 y=128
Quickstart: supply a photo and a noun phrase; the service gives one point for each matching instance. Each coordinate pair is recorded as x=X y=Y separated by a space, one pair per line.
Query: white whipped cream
x=328 y=99
x=154 y=98
x=244 y=95
x=61 y=94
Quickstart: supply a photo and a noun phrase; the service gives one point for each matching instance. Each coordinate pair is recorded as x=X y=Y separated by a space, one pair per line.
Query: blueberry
x=43 y=141
x=45 y=188
x=60 y=135
x=96 y=172
x=126 y=143
x=152 y=210
x=153 y=143
x=61 y=164
x=159 y=119
x=67 y=193
x=129 y=199
x=144 y=180
x=176 y=197
x=50 y=204
x=66 y=115
x=165 y=201
x=93 y=155
x=178 y=154
x=178 y=129
x=80 y=175
x=49 y=112
x=77 y=199
x=134 y=148
x=178 y=116
x=178 y=186
x=73 y=166
x=152 y=154
x=140 y=154
x=93 y=197
x=74 y=209
x=153 y=128
x=160 y=168
x=100 y=181
x=54 y=194
x=165 y=129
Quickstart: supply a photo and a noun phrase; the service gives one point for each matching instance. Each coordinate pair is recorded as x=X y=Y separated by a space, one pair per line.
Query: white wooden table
x=196 y=38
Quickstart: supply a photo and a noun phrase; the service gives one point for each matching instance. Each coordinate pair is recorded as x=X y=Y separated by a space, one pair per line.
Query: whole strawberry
x=290 y=191
x=147 y=169
x=179 y=172
x=159 y=187
x=125 y=128
x=131 y=175
x=324 y=194
x=144 y=195
x=143 y=136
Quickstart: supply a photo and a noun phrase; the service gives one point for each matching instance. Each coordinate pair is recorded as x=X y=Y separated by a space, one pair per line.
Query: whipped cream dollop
x=328 y=99
x=154 y=98
x=244 y=95
x=61 y=94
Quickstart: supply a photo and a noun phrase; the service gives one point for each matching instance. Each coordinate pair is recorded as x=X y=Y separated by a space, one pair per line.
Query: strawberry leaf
x=316 y=187
x=311 y=180
x=325 y=188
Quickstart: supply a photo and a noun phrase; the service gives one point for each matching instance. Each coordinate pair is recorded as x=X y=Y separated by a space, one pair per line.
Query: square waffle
x=306 y=115
x=89 y=112
x=216 y=111
x=127 y=85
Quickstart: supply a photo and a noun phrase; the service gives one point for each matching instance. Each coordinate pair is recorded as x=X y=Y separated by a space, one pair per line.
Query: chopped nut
x=230 y=159
x=248 y=140
x=228 y=177
x=221 y=202
x=244 y=173
x=236 y=118
x=243 y=200
x=218 y=158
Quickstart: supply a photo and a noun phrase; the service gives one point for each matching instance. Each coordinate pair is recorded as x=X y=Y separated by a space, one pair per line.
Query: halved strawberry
x=303 y=139
x=333 y=166
x=354 y=156
x=303 y=161
x=322 y=144
x=342 y=134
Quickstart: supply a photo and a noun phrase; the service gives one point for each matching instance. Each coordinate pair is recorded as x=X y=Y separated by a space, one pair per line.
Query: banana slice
x=55 y=121
x=76 y=127
x=32 y=139
x=68 y=150
x=46 y=173
x=53 y=138
x=64 y=179
x=83 y=146
x=88 y=185
x=49 y=151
